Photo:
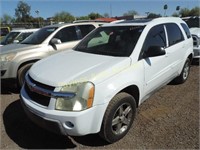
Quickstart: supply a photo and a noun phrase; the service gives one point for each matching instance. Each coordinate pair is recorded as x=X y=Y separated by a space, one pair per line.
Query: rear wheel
x=21 y=74
x=185 y=72
x=118 y=118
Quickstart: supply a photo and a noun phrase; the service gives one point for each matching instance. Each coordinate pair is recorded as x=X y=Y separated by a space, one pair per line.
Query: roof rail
x=117 y=21
x=80 y=21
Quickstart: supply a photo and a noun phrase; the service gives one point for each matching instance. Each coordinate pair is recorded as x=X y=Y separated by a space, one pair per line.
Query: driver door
x=67 y=38
x=157 y=70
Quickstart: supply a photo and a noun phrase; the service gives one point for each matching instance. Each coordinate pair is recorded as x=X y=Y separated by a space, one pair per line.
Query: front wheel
x=21 y=74
x=185 y=73
x=118 y=117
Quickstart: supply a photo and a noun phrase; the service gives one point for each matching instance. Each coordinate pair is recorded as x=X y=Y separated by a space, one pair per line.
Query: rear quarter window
x=186 y=29
x=174 y=33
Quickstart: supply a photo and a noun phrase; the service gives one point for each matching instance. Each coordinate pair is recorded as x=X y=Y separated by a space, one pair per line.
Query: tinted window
x=9 y=38
x=155 y=37
x=174 y=33
x=186 y=29
x=67 y=34
x=4 y=31
x=192 y=22
x=113 y=41
x=85 y=29
x=23 y=36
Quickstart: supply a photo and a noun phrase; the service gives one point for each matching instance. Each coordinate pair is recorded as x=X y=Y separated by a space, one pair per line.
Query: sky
x=48 y=8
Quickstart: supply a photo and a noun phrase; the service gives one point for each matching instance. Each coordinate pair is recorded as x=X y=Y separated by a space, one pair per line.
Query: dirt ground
x=167 y=120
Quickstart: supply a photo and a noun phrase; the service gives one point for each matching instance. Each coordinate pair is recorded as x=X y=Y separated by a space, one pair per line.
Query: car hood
x=71 y=67
x=195 y=31
x=12 y=48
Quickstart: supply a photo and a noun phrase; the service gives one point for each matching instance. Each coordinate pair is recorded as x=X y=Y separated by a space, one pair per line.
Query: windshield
x=9 y=38
x=23 y=36
x=113 y=41
x=39 y=36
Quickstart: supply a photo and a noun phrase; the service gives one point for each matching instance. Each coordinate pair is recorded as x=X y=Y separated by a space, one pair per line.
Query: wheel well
x=190 y=57
x=27 y=62
x=134 y=91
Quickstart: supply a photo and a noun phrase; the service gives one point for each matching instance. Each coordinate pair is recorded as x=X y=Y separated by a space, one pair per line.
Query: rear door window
x=67 y=34
x=85 y=29
x=174 y=33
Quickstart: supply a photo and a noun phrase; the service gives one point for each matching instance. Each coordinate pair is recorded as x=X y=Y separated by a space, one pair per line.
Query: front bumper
x=64 y=122
x=7 y=70
x=196 y=52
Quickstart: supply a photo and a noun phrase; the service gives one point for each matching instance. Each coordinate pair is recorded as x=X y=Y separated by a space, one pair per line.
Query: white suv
x=97 y=86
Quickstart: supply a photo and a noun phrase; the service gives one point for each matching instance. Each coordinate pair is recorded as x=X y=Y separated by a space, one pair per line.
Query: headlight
x=83 y=99
x=7 y=57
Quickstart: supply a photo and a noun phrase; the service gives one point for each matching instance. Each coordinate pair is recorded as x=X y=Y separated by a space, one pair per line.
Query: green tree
x=175 y=14
x=63 y=17
x=22 y=12
x=184 y=12
x=195 y=11
x=152 y=15
x=93 y=15
x=82 y=18
x=6 y=19
x=106 y=15
x=131 y=13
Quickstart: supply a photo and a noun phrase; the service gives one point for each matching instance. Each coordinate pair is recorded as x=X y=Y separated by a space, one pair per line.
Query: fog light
x=69 y=124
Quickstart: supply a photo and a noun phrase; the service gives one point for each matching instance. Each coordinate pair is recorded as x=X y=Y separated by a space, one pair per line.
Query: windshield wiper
x=25 y=43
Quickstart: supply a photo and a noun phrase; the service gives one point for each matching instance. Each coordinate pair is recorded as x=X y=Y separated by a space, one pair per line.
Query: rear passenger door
x=175 y=47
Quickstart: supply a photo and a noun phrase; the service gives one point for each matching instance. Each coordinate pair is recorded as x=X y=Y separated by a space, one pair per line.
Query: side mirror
x=16 y=41
x=55 y=41
x=154 y=51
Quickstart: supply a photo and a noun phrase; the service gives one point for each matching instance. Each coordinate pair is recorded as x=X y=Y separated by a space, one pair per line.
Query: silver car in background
x=16 y=59
x=196 y=41
x=193 y=24
x=17 y=36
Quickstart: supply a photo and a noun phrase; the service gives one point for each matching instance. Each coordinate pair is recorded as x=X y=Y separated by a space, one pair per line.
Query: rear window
x=186 y=29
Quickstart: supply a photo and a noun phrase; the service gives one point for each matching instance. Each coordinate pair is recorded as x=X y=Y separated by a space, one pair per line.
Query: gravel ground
x=167 y=120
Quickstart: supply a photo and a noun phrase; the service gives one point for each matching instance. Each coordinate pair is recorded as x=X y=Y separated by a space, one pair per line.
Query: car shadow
x=195 y=62
x=29 y=136
x=92 y=140
x=7 y=88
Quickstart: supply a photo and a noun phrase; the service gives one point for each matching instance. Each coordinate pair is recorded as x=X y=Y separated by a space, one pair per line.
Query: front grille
x=195 y=41
x=37 y=97
x=41 y=85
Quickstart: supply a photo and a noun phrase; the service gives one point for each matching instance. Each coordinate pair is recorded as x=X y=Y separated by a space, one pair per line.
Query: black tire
x=21 y=74
x=118 y=117
x=184 y=73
